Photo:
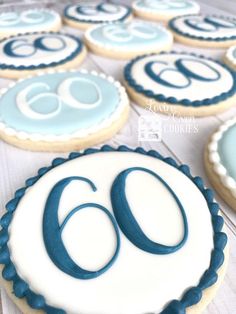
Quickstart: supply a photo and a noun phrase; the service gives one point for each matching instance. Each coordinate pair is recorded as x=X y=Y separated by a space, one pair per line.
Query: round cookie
x=181 y=83
x=84 y=15
x=50 y=256
x=62 y=111
x=25 y=54
x=230 y=57
x=21 y=22
x=164 y=10
x=128 y=40
x=220 y=161
x=204 y=30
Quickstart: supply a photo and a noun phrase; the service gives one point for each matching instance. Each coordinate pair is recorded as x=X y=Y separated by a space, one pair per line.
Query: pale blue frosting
x=12 y=20
x=69 y=119
x=160 y=5
x=134 y=35
x=227 y=150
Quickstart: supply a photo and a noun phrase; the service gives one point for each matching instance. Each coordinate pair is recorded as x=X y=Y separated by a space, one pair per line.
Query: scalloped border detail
x=72 y=56
x=190 y=297
x=173 y=100
x=174 y=28
x=69 y=17
x=123 y=101
x=215 y=158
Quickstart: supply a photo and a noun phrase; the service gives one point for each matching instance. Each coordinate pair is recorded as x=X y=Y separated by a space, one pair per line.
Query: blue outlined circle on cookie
x=35 y=51
x=152 y=76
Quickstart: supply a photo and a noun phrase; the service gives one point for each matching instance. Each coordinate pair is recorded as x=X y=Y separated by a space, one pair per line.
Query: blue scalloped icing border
x=174 y=28
x=43 y=65
x=191 y=296
x=173 y=100
x=66 y=15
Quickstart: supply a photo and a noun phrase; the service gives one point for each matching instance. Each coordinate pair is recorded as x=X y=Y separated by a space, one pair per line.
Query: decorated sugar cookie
x=24 y=54
x=230 y=57
x=62 y=111
x=127 y=40
x=204 y=30
x=220 y=161
x=164 y=10
x=84 y=15
x=185 y=84
x=117 y=233
x=20 y=22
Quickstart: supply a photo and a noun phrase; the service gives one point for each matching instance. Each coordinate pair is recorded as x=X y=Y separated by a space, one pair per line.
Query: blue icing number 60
x=184 y=70
x=209 y=24
x=12 y=45
x=124 y=219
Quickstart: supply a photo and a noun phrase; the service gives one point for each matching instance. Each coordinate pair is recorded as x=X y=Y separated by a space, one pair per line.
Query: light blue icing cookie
x=28 y=20
x=170 y=6
x=59 y=103
x=135 y=35
x=227 y=150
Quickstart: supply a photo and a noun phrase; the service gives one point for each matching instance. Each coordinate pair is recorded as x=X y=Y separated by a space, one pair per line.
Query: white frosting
x=167 y=8
x=117 y=12
x=12 y=23
x=231 y=55
x=160 y=34
x=138 y=282
x=211 y=32
x=115 y=115
x=215 y=159
x=24 y=46
x=208 y=89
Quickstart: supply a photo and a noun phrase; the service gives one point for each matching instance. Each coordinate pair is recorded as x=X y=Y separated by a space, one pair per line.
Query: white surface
x=17 y=165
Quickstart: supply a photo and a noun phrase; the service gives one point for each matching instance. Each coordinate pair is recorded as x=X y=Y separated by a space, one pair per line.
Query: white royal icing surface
x=115 y=12
x=130 y=36
x=138 y=282
x=32 y=20
x=208 y=89
x=210 y=32
x=231 y=55
x=214 y=157
x=63 y=46
x=167 y=8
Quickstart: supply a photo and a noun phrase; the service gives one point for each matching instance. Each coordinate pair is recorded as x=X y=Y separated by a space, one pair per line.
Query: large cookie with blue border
x=181 y=83
x=164 y=10
x=213 y=31
x=127 y=40
x=32 y=20
x=25 y=54
x=62 y=110
x=128 y=229
x=84 y=15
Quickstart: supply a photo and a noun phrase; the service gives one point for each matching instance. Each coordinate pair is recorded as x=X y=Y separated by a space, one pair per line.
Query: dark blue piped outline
x=43 y=65
x=190 y=297
x=66 y=15
x=173 y=100
x=174 y=28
